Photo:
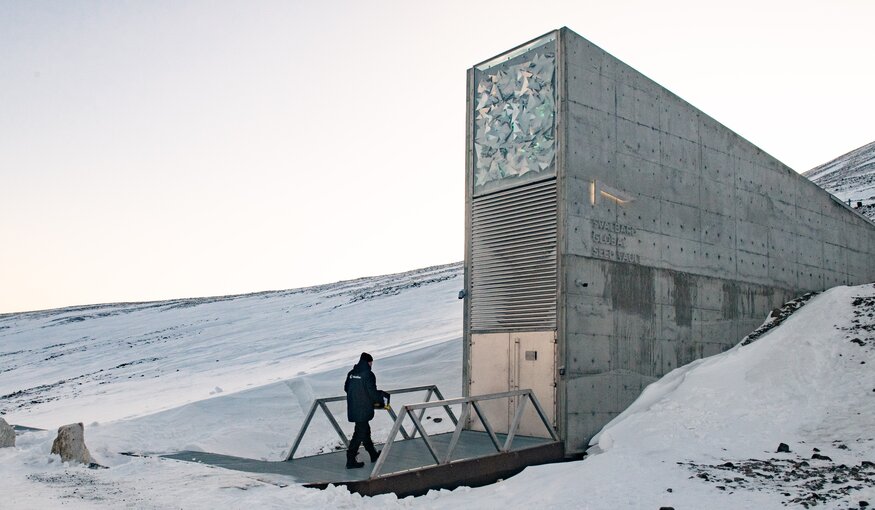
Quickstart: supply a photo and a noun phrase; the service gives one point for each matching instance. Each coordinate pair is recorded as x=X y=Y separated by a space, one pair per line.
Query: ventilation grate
x=513 y=259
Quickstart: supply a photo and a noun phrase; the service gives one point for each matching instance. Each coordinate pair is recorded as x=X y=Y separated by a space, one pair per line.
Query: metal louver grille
x=513 y=259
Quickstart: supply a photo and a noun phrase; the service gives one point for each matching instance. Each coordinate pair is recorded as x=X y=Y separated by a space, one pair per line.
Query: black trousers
x=361 y=436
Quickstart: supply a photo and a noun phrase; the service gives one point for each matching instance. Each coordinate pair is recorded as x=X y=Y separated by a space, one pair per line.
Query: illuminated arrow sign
x=599 y=189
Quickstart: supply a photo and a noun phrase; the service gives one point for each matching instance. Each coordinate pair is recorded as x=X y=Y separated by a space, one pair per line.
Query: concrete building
x=614 y=232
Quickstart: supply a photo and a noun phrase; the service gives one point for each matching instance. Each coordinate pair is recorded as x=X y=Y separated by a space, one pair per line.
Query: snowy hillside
x=107 y=362
x=850 y=177
x=704 y=436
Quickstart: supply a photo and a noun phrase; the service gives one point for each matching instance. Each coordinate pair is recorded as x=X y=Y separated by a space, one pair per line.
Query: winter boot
x=374 y=454
x=351 y=462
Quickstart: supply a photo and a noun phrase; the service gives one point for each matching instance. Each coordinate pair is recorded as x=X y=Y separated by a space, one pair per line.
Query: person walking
x=362 y=396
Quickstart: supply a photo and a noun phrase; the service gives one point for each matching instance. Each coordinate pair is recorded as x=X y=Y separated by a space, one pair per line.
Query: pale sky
x=154 y=150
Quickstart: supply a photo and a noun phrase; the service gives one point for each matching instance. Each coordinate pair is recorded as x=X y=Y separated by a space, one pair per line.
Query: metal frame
x=321 y=403
x=518 y=50
x=467 y=403
x=551 y=36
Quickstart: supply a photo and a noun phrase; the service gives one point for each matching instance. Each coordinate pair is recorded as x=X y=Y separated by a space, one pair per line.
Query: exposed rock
x=70 y=445
x=818 y=456
x=7 y=434
x=783 y=448
x=778 y=316
x=804 y=485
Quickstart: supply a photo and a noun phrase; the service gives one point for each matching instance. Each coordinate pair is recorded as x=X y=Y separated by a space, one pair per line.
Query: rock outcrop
x=70 y=445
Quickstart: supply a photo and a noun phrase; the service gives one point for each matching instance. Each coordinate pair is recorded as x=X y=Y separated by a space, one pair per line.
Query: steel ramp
x=410 y=469
x=413 y=461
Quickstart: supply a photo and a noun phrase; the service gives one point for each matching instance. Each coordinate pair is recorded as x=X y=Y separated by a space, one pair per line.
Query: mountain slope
x=850 y=177
x=106 y=362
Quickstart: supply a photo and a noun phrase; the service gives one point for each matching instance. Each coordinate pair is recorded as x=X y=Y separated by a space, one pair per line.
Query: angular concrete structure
x=614 y=232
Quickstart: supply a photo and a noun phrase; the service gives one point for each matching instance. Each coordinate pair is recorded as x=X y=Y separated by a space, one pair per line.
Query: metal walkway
x=330 y=467
x=412 y=465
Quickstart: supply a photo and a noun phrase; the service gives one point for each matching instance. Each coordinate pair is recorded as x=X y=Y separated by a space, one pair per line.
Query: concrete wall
x=714 y=234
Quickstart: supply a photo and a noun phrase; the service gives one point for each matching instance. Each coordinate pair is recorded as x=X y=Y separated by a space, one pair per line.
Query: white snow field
x=235 y=375
x=851 y=177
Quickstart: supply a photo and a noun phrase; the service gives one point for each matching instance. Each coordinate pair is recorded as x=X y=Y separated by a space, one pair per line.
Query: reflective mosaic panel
x=514 y=121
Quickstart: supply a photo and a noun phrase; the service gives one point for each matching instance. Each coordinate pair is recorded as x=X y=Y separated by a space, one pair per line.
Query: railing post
x=486 y=425
x=422 y=411
x=543 y=416
x=450 y=413
x=466 y=408
x=517 y=416
x=395 y=417
x=334 y=424
x=421 y=429
x=388 y=446
x=303 y=430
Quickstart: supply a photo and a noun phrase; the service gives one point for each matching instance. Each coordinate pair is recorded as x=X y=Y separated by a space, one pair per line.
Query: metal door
x=510 y=361
x=534 y=361
x=489 y=374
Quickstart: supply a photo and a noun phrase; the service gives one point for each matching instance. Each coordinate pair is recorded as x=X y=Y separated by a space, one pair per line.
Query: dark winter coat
x=361 y=393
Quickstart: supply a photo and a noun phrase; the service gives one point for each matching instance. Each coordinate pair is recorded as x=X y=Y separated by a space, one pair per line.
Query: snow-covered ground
x=850 y=177
x=234 y=375
x=120 y=361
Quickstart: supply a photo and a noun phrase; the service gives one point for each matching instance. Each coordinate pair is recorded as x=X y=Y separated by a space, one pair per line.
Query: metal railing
x=322 y=403
x=467 y=403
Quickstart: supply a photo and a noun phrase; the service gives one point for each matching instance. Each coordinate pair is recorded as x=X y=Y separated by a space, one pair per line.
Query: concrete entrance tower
x=614 y=232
